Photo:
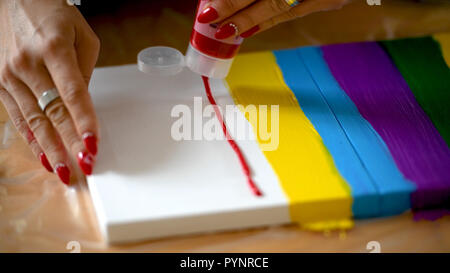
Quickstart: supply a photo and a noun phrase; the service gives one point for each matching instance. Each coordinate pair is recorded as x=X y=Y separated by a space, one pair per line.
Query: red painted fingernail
x=250 y=32
x=86 y=162
x=226 y=31
x=207 y=15
x=63 y=172
x=45 y=163
x=90 y=142
x=30 y=136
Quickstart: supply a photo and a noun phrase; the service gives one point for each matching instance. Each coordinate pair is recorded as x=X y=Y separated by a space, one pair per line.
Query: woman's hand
x=247 y=17
x=46 y=44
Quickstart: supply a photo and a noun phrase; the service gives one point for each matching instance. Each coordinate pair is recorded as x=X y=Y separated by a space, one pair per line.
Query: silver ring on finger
x=47 y=97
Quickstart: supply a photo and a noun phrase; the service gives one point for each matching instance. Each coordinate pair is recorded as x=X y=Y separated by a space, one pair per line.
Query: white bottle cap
x=166 y=61
x=160 y=61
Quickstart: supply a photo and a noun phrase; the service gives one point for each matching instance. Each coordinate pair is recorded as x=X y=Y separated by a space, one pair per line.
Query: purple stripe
x=383 y=98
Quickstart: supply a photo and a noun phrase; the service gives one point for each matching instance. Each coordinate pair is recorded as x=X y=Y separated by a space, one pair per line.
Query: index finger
x=218 y=10
x=62 y=64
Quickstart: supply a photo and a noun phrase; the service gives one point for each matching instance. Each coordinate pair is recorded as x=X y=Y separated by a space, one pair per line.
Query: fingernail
x=90 y=142
x=226 y=31
x=63 y=172
x=30 y=136
x=250 y=32
x=45 y=163
x=207 y=15
x=86 y=162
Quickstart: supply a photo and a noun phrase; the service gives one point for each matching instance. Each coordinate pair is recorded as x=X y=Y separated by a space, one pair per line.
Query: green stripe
x=422 y=65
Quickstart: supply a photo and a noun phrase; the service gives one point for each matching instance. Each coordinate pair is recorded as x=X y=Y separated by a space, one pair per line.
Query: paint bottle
x=207 y=55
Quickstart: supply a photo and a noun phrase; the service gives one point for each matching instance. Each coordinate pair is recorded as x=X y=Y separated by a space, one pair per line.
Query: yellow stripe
x=319 y=197
x=444 y=41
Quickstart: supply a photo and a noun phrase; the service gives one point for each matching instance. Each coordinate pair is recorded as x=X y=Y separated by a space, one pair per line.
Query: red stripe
x=230 y=140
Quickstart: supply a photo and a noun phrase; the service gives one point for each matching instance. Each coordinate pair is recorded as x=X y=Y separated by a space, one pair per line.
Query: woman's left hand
x=247 y=17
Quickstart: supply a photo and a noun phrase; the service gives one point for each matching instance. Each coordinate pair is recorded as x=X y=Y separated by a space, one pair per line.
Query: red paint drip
x=230 y=140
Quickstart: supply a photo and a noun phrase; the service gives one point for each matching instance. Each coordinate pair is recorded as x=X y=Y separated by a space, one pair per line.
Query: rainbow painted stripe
x=362 y=134
x=293 y=3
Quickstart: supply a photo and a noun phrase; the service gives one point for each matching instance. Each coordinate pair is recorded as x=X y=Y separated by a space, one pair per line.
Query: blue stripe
x=366 y=201
x=393 y=188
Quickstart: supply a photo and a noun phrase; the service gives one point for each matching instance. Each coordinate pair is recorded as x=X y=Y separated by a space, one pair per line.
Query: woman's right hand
x=46 y=44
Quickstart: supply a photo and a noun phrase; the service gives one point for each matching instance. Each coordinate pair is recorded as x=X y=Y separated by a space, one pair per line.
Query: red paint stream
x=230 y=140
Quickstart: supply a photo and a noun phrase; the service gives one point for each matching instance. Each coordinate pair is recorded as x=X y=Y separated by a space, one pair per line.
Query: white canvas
x=148 y=185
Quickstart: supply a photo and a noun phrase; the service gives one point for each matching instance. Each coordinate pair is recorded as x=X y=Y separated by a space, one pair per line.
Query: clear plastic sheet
x=39 y=213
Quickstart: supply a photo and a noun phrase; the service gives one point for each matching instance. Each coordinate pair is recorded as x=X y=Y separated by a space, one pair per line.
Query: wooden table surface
x=37 y=213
